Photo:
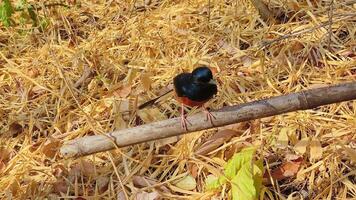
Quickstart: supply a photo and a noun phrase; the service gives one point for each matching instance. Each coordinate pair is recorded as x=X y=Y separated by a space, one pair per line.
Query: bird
x=193 y=90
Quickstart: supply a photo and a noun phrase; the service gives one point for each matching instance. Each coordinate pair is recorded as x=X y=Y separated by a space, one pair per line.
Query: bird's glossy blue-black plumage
x=196 y=85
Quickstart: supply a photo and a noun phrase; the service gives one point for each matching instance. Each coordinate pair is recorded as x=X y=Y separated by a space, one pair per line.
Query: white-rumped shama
x=193 y=90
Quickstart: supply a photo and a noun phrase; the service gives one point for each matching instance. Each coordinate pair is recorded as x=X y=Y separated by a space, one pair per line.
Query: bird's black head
x=202 y=74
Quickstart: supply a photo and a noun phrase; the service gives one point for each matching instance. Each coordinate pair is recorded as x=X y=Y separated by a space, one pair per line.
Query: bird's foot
x=209 y=116
x=184 y=122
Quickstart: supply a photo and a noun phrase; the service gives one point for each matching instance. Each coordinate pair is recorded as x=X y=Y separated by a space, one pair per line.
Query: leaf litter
x=84 y=74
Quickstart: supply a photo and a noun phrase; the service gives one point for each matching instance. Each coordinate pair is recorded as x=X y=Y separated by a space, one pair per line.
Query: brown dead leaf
x=14 y=187
x=296 y=46
x=301 y=146
x=316 y=151
x=2 y=166
x=87 y=168
x=287 y=169
x=193 y=169
x=59 y=170
x=230 y=152
x=246 y=61
x=15 y=129
x=51 y=148
x=80 y=169
x=33 y=72
x=140 y=182
x=238 y=127
x=102 y=183
x=351 y=153
x=36 y=91
x=215 y=141
x=121 y=196
x=147 y=195
x=123 y=91
x=60 y=186
x=5 y=154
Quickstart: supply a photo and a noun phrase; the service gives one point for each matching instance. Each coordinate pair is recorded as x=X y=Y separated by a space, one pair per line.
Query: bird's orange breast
x=186 y=101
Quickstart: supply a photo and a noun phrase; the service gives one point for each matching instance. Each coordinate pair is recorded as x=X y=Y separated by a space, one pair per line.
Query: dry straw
x=87 y=71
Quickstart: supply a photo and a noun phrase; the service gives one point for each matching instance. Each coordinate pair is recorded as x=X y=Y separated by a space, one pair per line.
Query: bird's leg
x=184 y=120
x=209 y=116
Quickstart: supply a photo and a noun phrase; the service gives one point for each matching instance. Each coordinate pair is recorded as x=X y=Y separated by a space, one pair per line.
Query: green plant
x=244 y=175
x=6 y=10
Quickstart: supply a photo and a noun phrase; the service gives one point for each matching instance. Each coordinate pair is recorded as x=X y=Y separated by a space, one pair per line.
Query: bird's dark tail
x=152 y=101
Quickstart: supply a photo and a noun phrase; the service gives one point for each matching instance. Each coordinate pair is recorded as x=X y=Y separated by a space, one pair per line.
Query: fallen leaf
x=351 y=153
x=4 y=154
x=36 y=91
x=51 y=148
x=33 y=72
x=87 y=168
x=186 y=183
x=60 y=186
x=247 y=183
x=285 y=170
x=59 y=170
x=282 y=140
x=238 y=127
x=296 y=46
x=81 y=168
x=193 y=169
x=146 y=81
x=147 y=195
x=212 y=182
x=121 y=196
x=316 y=151
x=14 y=187
x=15 y=129
x=2 y=166
x=246 y=61
x=301 y=146
x=102 y=183
x=123 y=92
x=162 y=142
x=215 y=141
x=140 y=182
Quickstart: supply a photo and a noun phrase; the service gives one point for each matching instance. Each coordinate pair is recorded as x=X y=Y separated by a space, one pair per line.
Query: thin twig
x=228 y=115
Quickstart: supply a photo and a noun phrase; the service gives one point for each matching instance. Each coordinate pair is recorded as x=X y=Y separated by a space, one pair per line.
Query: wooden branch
x=228 y=115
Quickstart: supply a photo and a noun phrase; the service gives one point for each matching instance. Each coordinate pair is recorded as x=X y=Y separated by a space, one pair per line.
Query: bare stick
x=228 y=115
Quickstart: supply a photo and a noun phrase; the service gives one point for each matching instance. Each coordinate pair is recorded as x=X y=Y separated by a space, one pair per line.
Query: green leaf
x=244 y=173
x=238 y=160
x=32 y=14
x=6 y=11
x=243 y=185
x=21 y=5
x=212 y=182
x=258 y=175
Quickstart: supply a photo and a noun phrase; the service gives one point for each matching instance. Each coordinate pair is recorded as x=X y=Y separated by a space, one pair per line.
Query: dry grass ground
x=85 y=72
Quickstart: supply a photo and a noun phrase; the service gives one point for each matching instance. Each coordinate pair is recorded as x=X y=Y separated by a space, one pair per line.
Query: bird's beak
x=212 y=81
